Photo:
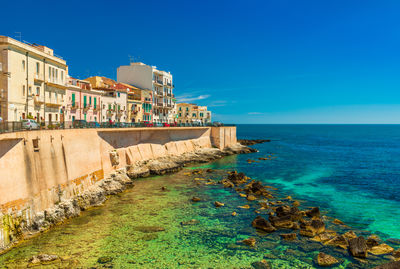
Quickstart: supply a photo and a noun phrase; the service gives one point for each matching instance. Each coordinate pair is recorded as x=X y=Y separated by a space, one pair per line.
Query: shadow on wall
x=124 y=139
x=7 y=144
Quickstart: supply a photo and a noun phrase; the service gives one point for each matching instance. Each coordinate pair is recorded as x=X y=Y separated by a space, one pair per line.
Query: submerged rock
x=190 y=222
x=250 y=142
x=314 y=212
x=42 y=258
x=338 y=241
x=218 y=204
x=312 y=228
x=289 y=237
x=105 y=259
x=249 y=241
x=390 y=265
x=263 y=224
x=338 y=222
x=381 y=249
x=326 y=260
x=358 y=247
x=263 y=264
x=196 y=199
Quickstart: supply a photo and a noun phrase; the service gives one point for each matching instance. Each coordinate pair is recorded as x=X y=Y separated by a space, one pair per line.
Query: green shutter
x=84 y=101
x=95 y=101
x=73 y=99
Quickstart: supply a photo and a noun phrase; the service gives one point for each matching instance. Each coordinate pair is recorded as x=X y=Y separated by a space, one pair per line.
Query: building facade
x=82 y=103
x=159 y=82
x=32 y=82
x=192 y=114
x=113 y=100
x=134 y=102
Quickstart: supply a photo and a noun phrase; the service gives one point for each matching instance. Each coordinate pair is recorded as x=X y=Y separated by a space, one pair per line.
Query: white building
x=32 y=82
x=160 y=82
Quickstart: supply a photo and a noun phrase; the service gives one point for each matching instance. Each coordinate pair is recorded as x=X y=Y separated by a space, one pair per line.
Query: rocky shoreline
x=115 y=183
x=315 y=231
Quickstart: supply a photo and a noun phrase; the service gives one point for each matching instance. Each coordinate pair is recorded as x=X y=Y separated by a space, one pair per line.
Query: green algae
x=141 y=228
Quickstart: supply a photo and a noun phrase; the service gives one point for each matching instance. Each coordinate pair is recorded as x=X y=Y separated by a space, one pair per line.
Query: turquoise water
x=352 y=171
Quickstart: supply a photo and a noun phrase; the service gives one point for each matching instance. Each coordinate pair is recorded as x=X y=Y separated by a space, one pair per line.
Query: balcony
x=159 y=105
x=38 y=77
x=54 y=102
x=38 y=99
x=169 y=84
x=159 y=93
x=158 y=81
x=86 y=107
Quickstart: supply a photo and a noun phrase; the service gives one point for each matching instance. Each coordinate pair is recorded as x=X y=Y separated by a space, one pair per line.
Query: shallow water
x=141 y=228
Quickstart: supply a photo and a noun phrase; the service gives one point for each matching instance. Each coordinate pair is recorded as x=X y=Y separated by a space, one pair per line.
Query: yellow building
x=192 y=114
x=32 y=82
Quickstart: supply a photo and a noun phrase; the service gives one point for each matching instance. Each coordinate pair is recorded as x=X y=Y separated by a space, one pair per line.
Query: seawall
x=40 y=169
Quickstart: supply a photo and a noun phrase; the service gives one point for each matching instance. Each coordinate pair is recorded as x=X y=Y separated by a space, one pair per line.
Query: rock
x=196 y=199
x=42 y=258
x=218 y=204
x=190 y=222
x=251 y=142
x=324 y=237
x=105 y=259
x=338 y=222
x=350 y=235
x=244 y=206
x=263 y=224
x=135 y=172
x=209 y=170
x=358 y=247
x=249 y=241
x=381 y=249
x=114 y=158
x=256 y=187
x=237 y=178
x=283 y=222
x=390 y=265
x=314 y=212
x=285 y=210
x=396 y=254
x=372 y=241
x=227 y=183
x=263 y=264
x=326 y=260
x=289 y=237
x=338 y=241
x=234 y=213
x=312 y=228
x=251 y=197
x=164 y=188
x=242 y=195
x=296 y=203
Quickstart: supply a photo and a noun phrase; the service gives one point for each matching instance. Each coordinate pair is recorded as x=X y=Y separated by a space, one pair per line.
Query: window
x=57 y=74
x=73 y=99
x=180 y=114
x=90 y=100
x=23 y=65
x=180 y=109
x=50 y=95
x=37 y=68
x=119 y=94
x=84 y=101
x=62 y=75
x=23 y=90
x=37 y=91
x=95 y=101
x=194 y=115
x=187 y=109
x=30 y=90
x=49 y=72
x=55 y=96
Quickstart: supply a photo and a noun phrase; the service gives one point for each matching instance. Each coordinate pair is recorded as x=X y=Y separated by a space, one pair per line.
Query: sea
x=351 y=172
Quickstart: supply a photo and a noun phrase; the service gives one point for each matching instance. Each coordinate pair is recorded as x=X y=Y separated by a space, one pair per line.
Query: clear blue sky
x=250 y=61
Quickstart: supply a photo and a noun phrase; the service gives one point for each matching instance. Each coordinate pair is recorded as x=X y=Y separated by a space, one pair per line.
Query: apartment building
x=192 y=114
x=82 y=103
x=32 y=82
x=113 y=100
x=159 y=82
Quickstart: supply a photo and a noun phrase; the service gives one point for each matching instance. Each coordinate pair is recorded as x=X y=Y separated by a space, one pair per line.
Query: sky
x=268 y=61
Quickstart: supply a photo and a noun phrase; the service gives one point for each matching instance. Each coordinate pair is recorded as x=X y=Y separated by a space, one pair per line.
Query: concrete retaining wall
x=40 y=168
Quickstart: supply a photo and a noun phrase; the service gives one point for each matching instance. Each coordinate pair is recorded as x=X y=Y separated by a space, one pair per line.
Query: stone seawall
x=47 y=176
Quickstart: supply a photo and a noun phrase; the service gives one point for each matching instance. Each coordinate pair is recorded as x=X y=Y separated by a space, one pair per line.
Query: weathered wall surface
x=65 y=163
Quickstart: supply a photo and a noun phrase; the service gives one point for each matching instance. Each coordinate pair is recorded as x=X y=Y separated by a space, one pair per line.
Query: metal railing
x=9 y=127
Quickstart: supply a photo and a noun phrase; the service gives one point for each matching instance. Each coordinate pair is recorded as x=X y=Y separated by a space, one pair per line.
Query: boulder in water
x=390 y=265
x=196 y=199
x=380 y=249
x=314 y=212
x=326 y=260
x=263 y=264
x=218 y=204
x=358 y=247
x=289 y=237
x=263 y=224
x=249 y=241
